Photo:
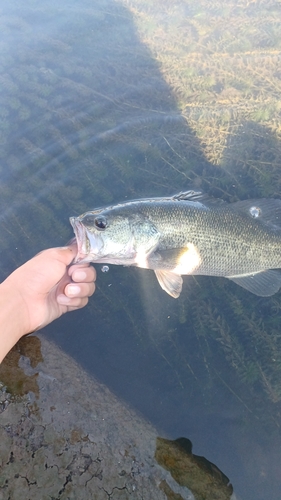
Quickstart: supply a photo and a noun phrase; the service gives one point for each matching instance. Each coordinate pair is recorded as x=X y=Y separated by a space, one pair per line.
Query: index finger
x=82 y=273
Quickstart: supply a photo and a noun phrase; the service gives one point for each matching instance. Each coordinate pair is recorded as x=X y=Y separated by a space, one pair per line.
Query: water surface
x=114 y=100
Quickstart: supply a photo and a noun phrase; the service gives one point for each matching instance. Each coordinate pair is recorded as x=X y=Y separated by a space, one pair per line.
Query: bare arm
x=40 y=291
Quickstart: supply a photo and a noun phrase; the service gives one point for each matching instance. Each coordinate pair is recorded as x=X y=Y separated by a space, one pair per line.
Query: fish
x=188 y=233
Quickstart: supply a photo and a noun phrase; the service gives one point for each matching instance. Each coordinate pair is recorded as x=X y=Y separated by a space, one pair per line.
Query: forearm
x=12 y=318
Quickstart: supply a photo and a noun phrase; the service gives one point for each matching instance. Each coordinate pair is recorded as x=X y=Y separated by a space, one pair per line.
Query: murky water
x=107 y=101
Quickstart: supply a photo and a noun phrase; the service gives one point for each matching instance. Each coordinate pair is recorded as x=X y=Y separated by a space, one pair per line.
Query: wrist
x=13 y=317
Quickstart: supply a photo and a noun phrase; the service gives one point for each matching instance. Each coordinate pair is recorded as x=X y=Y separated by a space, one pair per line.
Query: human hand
x=46 y=287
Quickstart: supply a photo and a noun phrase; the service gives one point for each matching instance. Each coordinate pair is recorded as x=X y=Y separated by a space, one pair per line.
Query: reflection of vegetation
x=87 y=119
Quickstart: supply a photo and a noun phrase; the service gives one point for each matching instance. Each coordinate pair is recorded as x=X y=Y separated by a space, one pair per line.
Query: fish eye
x=100 y=222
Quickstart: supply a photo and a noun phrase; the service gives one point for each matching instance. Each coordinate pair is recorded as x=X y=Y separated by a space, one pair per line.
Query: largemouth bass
x=188 y=234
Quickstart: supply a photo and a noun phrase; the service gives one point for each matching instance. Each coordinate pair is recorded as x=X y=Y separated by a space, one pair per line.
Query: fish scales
x=226 y=240
x=188 y=234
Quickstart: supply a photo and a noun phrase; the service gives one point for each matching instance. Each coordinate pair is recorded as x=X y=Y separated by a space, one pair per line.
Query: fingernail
x=79 y=275
x=73 y=290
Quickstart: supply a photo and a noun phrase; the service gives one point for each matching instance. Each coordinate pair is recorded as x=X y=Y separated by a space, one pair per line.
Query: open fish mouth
x=81 y=239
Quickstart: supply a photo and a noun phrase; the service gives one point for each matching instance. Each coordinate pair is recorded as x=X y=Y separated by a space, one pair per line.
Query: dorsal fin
x=190 y=195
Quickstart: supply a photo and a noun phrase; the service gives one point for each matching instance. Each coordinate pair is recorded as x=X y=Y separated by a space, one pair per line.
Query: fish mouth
x=81 y=239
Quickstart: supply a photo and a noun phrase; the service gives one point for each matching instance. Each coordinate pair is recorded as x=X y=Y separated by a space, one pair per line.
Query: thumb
x=64 y=255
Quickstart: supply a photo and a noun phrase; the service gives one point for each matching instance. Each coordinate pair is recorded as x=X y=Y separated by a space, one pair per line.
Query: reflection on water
x=116 y=100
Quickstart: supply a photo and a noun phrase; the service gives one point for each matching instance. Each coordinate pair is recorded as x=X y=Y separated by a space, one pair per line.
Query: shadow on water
x=87 y=119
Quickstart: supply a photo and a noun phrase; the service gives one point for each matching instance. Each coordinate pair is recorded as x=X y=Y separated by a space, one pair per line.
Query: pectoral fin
x=264 y=284
x=170 y=282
